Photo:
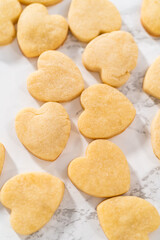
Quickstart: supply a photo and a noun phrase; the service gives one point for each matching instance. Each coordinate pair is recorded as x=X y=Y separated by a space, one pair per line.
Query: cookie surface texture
x=44 y=131
x=104 y=172
x=32 y=198
x=37 y=31
x=45 y=2
x=107 y=112
x=89 y=18
x=58 y=79
x=150 y=17
x=113 y=55
x=151 y=84
x=9 y=13
x=127 y=218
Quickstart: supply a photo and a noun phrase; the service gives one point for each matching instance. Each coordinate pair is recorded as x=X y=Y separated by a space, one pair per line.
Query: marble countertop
x=76 y=219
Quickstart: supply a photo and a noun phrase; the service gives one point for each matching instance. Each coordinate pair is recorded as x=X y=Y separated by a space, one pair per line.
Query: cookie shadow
x=135 y=187
x=155 y=235
x=9 y=169
x=73 y=149
x=73 y=108
x=11 y=53
x=133 y=88
x=61 y=8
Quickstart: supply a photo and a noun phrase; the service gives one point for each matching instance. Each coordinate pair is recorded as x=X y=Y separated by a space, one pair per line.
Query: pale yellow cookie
x=107 y=112
x=113 y=55
x=45 y=2
x=151 y=84
x=127 y=218
x=44 y=131
x=9 y=13
x=89 y=18
x=104 y=172
x=155 y=134
x=150 y=16
x=58 y=79
x=38 y=32
x=2 y=156
x=32 y=198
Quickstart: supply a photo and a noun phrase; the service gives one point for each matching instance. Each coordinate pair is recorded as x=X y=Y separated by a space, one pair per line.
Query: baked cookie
x=45 y=131
x=89 y=18
x=45 y=2
x=150 y=16
x=127 y=218
x=38 y=32
x=32 y=198
x=9 y=13
x=2 y=156
x=104 y=172
x=151 y=84
x=107 y=112
x=113 y=55
x=58 y=79
x=155 y=134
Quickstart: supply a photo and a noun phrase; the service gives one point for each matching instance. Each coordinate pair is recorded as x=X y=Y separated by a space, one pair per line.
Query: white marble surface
x=76 y=219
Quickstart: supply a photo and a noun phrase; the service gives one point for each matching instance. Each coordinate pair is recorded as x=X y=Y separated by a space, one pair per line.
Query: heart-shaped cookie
x=9 y=13
x=151 y=84
x=150 y=16
x=45 y=2
x=104 y=172
x=107 y=112
x=113 y=55
x=38 y=32
x=2 y=156
x=32 y=198
x=89 y=18
x=44 y=132
x=155 y=134
x=58 y=79
x=127 y=218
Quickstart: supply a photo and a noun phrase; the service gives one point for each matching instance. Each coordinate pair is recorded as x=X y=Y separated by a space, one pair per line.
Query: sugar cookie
x=58 y=79
x=155 y=134
x=2 y=156
x=38 y=32
x=45 y=2
x=113 y=55
x=9 y=13
x=150 y=16
x=104 y=172
x=107 y=112
x=32 y=198
x=151 y=84
x=45 y=131
x=127 y=218
x=89 y=18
